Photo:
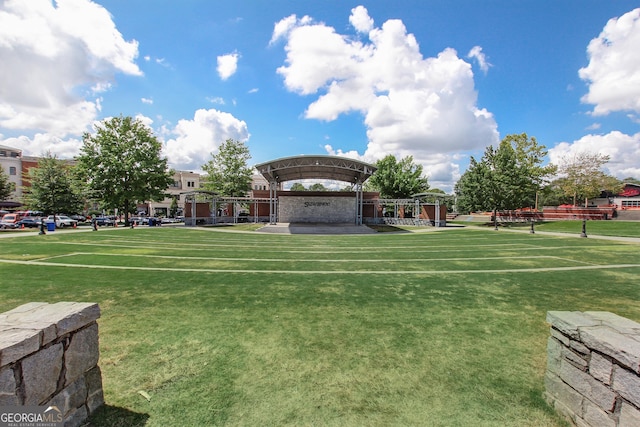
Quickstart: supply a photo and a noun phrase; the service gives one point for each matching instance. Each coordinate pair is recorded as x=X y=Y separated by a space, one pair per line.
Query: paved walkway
x=589 y=236
x=316 y=228
x=322 y=228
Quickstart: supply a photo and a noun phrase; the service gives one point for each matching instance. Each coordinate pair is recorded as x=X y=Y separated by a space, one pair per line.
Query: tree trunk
x=126 y=213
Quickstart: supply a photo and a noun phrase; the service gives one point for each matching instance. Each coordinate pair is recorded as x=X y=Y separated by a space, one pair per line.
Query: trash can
x=51 y=226
x=152 y=222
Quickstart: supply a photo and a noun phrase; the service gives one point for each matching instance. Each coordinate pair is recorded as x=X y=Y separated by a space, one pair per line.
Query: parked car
x=79 y=218
x=165 y=220
x=62 y=221
x=104 y=221
x=8 y=224
x=139 y=220
x=10 y=218
x=29 y=222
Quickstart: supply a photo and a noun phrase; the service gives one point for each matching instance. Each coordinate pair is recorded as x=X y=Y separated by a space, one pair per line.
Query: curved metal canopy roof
x=316 y=167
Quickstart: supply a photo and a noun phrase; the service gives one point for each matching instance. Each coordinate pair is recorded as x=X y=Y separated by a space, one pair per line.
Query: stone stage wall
x=317 y=209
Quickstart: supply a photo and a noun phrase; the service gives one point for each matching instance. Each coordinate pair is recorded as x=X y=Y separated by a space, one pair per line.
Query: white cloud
x=613 y=73
x=216 y=100
x=477 y=54
x=442 y=170
x=147 y=101
x=352 y=154
x=360 y=19
x=282 y=28
x=193 y=141
x=622 y=149
x=41 y=143
x=227 y=65
x=54 y=60
x=411 y=105
x=147 y=121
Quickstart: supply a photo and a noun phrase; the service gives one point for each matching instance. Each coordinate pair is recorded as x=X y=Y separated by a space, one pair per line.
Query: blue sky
x=437 y=80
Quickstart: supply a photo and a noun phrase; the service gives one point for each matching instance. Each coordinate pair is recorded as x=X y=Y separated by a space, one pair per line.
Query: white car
x=62 y=221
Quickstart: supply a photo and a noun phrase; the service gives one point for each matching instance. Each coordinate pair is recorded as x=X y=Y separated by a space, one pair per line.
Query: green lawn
x=441 y=328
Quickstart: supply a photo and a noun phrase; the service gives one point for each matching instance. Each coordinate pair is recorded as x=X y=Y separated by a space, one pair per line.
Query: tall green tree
x=173 y=209
x=397 y=179
x=631 y=180
x=297 y=186
x=6 y=187
x=505 y=178
x=53 y=187
x=228 y=172
x=582 y=177
x=123 y=165
x=532 y=174
x=318 y=186
x=470 y=188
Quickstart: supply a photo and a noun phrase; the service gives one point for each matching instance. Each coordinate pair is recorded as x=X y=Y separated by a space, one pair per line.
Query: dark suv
x=102 y=221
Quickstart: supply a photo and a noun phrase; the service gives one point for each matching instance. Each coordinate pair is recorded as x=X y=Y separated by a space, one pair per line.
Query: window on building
x=191 y=184
x=12 y=170
x=3 y=153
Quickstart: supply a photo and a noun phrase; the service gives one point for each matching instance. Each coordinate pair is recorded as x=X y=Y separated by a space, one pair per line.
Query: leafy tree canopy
x=228 y=173
x=296 y=186
x=318 y=187
x=397 y=179
x=505 y=178
x=122 y=164
x=54 y=187
x=5 y=185
x=631 y=180
x=582 y=177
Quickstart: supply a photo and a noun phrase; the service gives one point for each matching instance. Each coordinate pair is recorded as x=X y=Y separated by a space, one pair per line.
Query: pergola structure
x=335 y=168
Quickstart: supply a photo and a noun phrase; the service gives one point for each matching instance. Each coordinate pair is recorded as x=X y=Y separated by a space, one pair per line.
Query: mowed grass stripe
x=280 y=248
x=324 y=272
x=245 y=259
x=369 y=251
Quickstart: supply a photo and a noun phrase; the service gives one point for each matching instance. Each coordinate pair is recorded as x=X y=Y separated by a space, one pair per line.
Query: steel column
x=359 y=202
x=273 y=202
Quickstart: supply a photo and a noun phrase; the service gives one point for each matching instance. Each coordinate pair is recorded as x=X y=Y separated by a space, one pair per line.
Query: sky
x=439 y=80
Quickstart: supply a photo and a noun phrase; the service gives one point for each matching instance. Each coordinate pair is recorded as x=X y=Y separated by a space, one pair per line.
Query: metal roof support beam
x=359 y=198
x=273 y=202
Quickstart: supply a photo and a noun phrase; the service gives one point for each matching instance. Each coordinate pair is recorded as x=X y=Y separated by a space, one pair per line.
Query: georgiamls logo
x=32 y=416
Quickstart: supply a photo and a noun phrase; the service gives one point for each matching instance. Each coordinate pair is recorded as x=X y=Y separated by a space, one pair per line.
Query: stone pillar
x=49 y=357
x=593 y=368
